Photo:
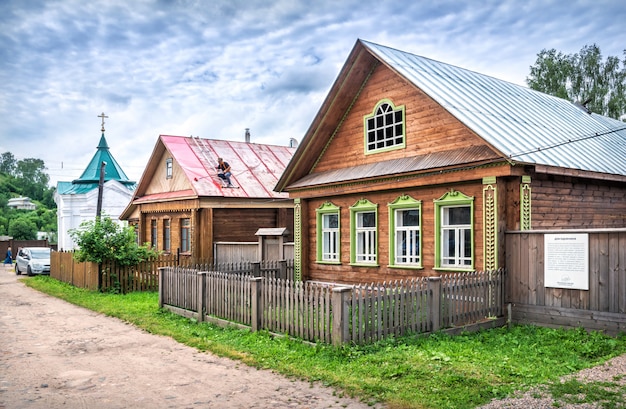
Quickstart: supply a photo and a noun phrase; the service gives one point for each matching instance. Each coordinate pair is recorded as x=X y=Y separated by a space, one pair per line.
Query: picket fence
x=329 y=313
x=111 y=277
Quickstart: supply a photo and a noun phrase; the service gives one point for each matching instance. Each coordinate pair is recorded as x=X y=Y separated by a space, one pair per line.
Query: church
x=77 y=201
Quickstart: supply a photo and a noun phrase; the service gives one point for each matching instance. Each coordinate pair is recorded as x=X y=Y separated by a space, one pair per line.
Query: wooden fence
x=145 y=276
x=333 y=314
x=601 y=307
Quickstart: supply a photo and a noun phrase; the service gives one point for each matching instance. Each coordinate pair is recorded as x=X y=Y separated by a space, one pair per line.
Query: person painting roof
x=223 y=171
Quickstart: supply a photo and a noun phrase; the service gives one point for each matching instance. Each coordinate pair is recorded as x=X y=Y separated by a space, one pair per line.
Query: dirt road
x=56 y=355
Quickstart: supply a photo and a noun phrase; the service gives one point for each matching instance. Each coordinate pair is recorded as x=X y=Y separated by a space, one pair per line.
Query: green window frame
x=328 y=229
x=405 y=232
x=384 y=128
x=454 y=232
x=364 y=233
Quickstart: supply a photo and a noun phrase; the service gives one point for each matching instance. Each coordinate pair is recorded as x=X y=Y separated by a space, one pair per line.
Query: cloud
x=215 y=68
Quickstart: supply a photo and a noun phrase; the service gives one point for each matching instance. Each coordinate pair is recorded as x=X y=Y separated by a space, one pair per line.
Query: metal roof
x=112 y=170
x=525 y=125
x=418 y=163
x=255 y=167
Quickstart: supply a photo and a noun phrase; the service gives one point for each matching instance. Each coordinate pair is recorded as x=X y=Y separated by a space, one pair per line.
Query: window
x=455 y=248
x=153 y=233
x=456 y=236
x=384 y=128
x=363 y=229
x=168 y=168
x=328 y=243
x=166 y=235
x=405 y=232
x=185 y=235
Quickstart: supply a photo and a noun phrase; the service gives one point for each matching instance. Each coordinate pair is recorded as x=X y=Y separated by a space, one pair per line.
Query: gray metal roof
x=418 y=163
x=525 y=125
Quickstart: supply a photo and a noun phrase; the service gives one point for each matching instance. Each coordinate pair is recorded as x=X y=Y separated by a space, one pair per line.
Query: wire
x=556 y=145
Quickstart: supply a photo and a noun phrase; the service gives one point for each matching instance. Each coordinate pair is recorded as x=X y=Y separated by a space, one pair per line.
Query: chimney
x=247 y=135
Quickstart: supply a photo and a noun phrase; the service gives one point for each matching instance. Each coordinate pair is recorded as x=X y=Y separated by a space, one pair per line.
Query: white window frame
x=363 y=239
x=397 y=233
x=410 y=236
x=328 y=238
x=384 y=128
x=462 y=234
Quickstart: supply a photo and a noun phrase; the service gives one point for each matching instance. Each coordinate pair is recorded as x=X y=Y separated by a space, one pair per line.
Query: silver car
x=33 y=260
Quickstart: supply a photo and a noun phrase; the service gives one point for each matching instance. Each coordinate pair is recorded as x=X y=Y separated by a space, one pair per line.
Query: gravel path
x=613 y=370
x=56 y=355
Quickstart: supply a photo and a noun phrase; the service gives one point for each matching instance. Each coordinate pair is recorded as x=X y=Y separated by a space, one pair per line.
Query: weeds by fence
x=333 y=314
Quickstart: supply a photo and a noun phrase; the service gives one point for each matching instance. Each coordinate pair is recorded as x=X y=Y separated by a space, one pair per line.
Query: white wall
x=72 y=210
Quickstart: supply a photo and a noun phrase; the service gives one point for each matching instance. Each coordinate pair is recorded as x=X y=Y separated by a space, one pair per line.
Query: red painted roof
x=159 y=197
x=255 y=167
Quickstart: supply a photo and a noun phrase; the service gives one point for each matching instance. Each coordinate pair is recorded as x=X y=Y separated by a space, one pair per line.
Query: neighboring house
x=77 y=201
x=181 y=207
x=413 y=167
x=21 y=203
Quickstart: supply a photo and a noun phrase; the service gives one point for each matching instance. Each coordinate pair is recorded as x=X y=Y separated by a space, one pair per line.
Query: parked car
x=33 y=260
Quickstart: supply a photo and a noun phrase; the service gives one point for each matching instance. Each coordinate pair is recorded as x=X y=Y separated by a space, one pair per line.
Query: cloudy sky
x=213 y=68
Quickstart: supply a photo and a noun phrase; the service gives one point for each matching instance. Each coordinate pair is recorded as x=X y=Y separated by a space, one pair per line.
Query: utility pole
x=100 y=190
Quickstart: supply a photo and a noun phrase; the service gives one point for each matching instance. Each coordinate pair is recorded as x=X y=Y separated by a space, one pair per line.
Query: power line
x=569 y=141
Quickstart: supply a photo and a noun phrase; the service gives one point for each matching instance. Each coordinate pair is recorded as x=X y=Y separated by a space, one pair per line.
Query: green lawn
x=437 y=371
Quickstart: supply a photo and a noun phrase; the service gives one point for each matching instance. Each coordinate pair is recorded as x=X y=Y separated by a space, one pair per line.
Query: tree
x=22 y=229
x=7 y=163
x=104 y=240
x=32 y=176
x=584 y=78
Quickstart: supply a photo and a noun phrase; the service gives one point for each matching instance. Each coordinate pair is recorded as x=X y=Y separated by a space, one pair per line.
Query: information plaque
x=566 y=259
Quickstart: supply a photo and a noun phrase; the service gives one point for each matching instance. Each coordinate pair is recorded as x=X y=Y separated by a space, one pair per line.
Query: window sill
x=334 y=263
x=364 y=265
x=406 y=266
x=454 y=269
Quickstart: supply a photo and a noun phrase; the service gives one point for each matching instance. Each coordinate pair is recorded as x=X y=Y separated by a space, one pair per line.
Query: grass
x=438 y=371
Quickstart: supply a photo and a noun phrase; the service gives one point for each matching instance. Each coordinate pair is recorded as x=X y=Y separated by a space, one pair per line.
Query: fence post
x=256 y=269
x=200 y=279
x=341 y=324
x=256 y=284
x=161 y=282
x=435 y=302
x=282 y=269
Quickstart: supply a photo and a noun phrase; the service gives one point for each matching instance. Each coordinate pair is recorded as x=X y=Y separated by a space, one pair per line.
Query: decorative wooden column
x=297 y=240
x=525 y=204
x=490 y=224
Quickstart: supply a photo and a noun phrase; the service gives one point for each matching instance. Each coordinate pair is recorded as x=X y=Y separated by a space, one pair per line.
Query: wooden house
x=181 y=207
x=413 y=167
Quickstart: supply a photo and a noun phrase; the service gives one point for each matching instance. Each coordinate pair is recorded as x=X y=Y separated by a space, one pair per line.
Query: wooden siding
x=242 y=224
x=345 y=273
x=429 y=127
x=564 y=202
x=159 y=182
x=602 y=307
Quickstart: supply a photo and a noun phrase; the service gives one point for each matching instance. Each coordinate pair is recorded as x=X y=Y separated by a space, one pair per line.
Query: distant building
x=77 y=200
x=21 y=203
